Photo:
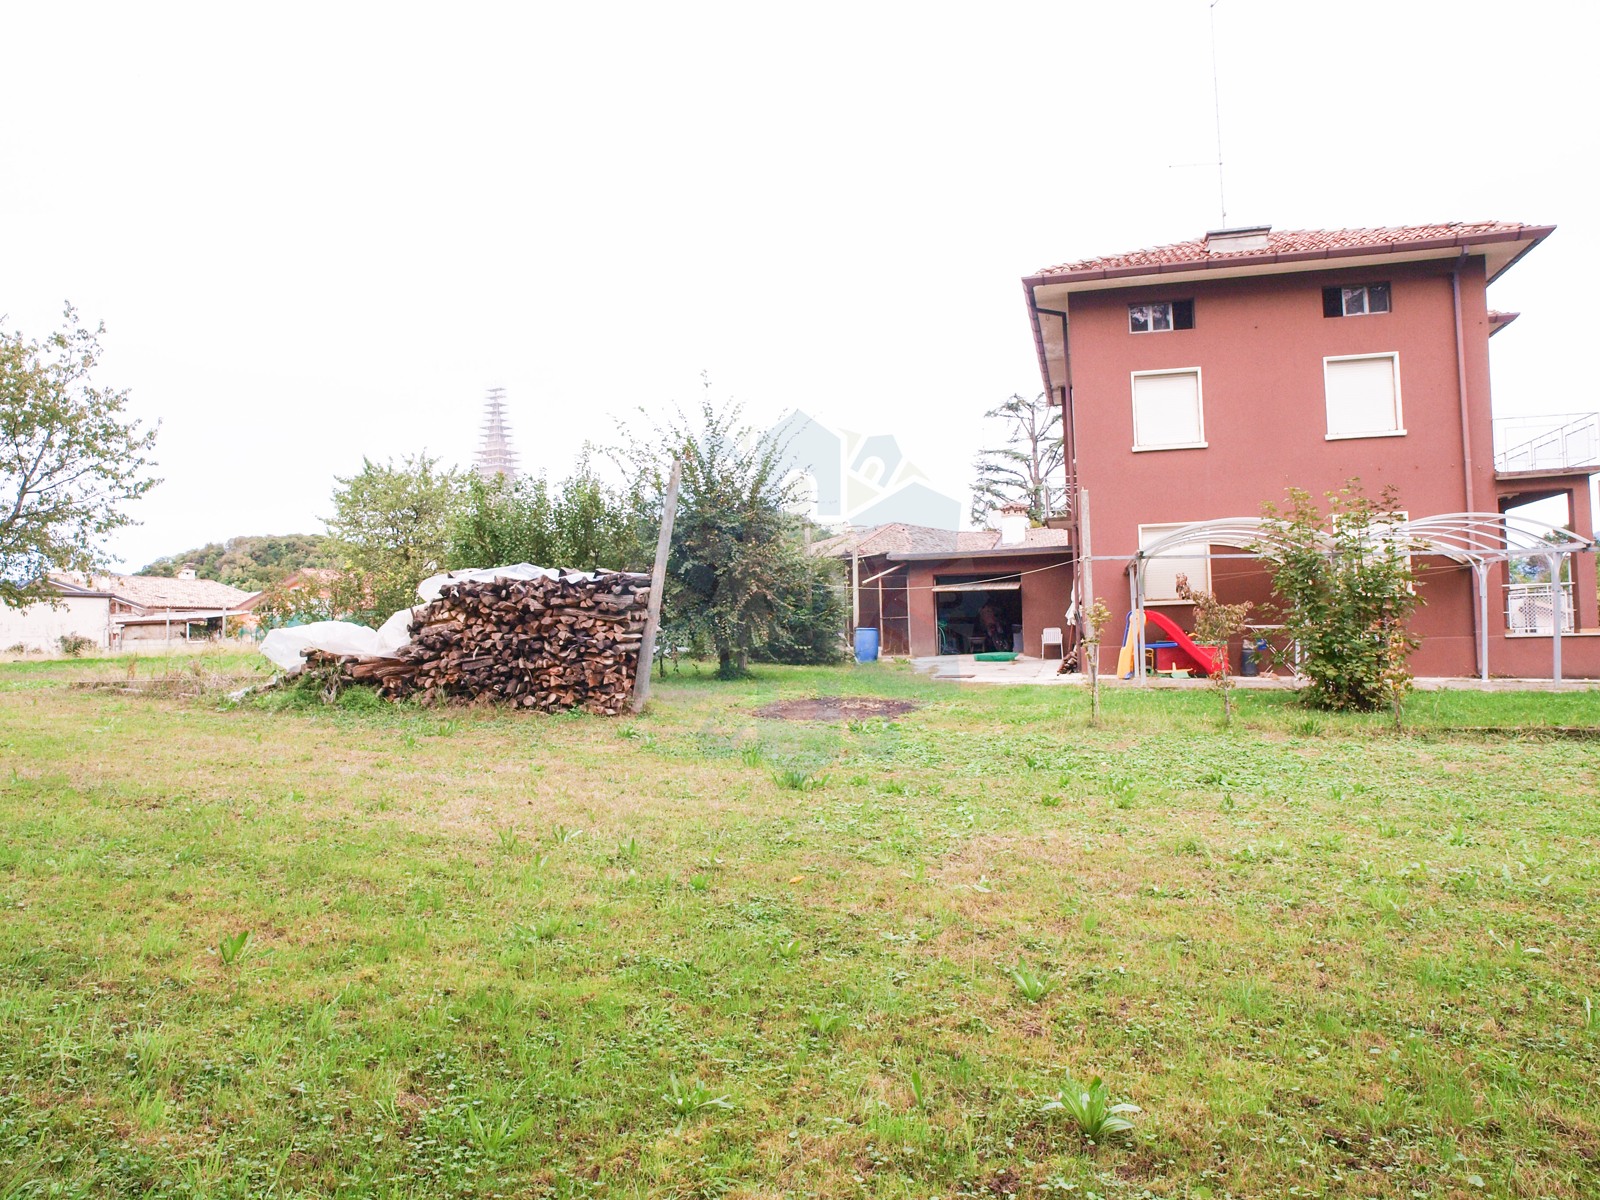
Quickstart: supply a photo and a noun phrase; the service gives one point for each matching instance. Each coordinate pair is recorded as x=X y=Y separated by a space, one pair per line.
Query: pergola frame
x=1477 y=539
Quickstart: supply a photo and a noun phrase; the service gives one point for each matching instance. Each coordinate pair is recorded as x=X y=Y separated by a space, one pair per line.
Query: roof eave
x=1532 y=234
x=997 y=552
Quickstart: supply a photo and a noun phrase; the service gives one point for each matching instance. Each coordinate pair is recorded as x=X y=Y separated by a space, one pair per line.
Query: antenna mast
x=1216 y=104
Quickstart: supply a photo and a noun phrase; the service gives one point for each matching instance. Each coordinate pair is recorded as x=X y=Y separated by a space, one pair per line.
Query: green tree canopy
x=391 y=530
x=738 y=570
x=70 y=458
x=252 y=562
x=1030 y=468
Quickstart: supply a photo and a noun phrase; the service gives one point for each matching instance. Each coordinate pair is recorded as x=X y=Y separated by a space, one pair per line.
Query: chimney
x=1231 y=241
x=1013 y=524
x=187 y=572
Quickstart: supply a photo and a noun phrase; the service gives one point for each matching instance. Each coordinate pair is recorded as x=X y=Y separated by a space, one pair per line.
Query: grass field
x=707 y=954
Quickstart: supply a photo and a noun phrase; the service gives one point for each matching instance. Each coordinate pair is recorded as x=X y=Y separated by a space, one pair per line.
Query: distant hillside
x=250 y=562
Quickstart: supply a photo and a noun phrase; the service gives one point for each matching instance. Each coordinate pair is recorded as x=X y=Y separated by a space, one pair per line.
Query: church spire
x=495 y=455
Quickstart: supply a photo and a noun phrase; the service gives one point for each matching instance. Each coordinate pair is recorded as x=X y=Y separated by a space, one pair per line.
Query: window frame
x=1199 y=405
x=1399 y=429
x=1166 y=527
x=1173 y=307
x=1366 y=290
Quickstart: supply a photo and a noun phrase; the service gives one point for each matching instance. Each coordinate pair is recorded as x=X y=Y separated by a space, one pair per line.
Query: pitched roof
x=152 y=591
x=1292 y=245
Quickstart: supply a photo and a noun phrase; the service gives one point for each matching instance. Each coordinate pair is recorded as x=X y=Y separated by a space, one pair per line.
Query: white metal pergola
x=1478 y=540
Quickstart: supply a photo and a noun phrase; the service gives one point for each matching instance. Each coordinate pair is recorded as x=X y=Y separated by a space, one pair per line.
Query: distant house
x=113 y=611
x=925 y=590
x=307 y=592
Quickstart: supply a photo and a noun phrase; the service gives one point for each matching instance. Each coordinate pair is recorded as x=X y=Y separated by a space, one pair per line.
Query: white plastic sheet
x=428 y=590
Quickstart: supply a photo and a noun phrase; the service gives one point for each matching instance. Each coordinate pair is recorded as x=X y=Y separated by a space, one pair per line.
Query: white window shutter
x=1166 y=410
x=1363 y=395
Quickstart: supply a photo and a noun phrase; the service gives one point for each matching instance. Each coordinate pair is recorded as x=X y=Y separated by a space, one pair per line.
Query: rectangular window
x=1363 y=300
x=1162 y=316
x=1161 y=574
x=1167 y=410
x=1363 y=395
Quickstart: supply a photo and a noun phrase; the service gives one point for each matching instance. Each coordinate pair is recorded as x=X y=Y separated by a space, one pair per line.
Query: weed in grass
x=628 y=851
x=692 y=1099
x=1227 y=804
x=495 y=1137
x=1588 y=1012
x=1121 y=793
x=1033 y=986
x=1308 y=726
x=700 y=882
x=919 y=1090
x=509 y=839
x=752 y=756
x=788 y=950
x=823 y=1025
x=796 y=779
x=545 y=929
x=1091 y=1110
x=233 y=947
x=561 y=835
x=1051 y=801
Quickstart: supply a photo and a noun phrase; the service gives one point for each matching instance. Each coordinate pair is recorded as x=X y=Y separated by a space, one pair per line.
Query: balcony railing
x=1529 y=607
x=1564 y=442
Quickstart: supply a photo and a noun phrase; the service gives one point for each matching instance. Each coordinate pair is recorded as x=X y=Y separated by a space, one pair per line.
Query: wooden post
x=1085 y=574
x=658 y=584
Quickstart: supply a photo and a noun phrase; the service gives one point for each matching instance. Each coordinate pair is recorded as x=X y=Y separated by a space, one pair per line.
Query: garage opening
x=978 y=613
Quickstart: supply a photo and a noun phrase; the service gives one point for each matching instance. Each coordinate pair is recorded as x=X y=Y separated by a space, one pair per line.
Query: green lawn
x=485 y=949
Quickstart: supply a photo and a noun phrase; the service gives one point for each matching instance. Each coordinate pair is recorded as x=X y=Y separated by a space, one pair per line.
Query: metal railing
x=1529 y=607
x=1560 y=442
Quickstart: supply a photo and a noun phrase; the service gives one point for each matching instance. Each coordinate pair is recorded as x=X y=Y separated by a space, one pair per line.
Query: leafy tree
x=737 y=569
x=70 y=457
x=391 y=529
x=1345 y=589
x=1029 y=468
x=813 y=632
x=251 y=562
x=581 y=523
x=1216 y=624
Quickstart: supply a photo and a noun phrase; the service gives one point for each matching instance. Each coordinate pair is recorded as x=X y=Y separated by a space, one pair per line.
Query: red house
x=1202 y=379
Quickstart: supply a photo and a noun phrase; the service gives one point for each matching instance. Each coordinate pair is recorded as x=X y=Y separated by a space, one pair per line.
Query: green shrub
x=1345 y=592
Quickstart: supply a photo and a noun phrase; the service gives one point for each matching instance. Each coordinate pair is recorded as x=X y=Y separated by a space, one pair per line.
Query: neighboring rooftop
x=154 y=591
x=1501 y=241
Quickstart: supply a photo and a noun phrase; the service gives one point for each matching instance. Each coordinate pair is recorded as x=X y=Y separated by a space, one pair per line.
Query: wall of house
x=884 y=604
x=1046 y=592
x=40 y=627
x=1260 y=344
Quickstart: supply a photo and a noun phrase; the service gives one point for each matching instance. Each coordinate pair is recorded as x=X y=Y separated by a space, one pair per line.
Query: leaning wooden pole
x=658 y=584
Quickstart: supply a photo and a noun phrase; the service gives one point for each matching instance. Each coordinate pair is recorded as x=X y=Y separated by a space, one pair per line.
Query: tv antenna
x=1216 y=108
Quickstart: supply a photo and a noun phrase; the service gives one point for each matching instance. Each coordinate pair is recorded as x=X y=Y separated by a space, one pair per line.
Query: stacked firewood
x=547 y=644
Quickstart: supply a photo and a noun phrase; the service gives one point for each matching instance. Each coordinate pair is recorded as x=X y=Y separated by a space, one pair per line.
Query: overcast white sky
x=322 y=231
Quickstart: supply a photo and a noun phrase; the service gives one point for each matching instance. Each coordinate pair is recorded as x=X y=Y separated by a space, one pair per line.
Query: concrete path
x=1045 y=672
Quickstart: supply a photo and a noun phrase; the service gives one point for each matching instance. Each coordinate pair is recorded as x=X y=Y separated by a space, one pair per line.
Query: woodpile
x=548 y=644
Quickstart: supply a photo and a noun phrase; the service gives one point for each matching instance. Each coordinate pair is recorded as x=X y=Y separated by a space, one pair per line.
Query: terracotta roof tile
x=153 y=591
x=1311 y=242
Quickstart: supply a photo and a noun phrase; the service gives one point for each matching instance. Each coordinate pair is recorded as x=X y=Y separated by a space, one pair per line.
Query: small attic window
x=1362 y=300
x=1161 y=317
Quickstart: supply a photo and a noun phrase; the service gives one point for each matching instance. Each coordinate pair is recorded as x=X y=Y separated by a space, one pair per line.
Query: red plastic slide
x=1204 y=660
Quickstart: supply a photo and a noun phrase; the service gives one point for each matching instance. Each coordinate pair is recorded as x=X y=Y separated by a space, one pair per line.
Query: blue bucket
x=866 y=645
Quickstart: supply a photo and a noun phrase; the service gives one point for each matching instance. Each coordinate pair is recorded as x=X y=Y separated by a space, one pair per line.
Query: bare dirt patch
x=835 y=708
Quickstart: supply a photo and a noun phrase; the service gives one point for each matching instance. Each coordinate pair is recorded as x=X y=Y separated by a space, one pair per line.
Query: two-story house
x=1202 y=379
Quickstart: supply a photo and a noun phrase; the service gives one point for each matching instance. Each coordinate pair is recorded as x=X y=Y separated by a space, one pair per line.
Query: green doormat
x=997 y=656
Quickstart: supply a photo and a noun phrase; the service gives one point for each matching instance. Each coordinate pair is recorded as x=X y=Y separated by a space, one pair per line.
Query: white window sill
x=1149 y=603
x=1345 y=437
x=1582 y=633
x=1174 y=446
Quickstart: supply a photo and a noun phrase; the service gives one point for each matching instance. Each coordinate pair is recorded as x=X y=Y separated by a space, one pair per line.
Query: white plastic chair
x=1052 y=637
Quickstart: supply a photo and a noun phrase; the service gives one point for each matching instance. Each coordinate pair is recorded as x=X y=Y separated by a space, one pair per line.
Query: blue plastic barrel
x=866 y=644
